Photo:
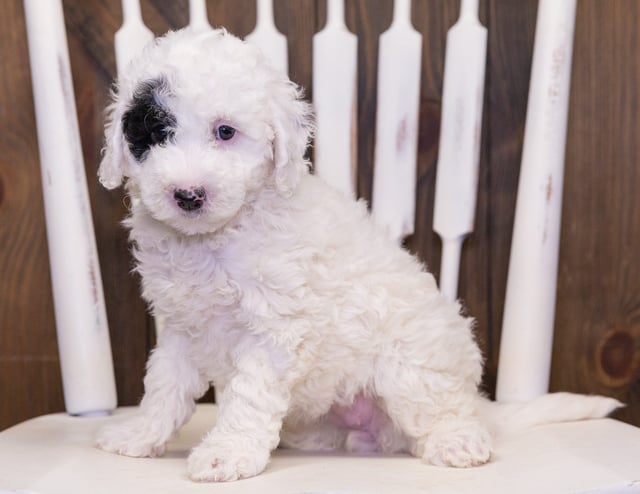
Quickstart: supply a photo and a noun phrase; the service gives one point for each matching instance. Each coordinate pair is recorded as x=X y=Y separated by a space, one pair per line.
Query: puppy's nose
x=190 y=199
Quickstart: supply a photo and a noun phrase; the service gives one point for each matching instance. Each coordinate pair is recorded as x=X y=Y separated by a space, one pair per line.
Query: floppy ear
x=111 y=171
x=293 y=128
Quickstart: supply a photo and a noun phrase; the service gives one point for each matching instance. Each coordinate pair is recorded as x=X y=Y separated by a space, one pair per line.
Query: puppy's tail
x=507 y=418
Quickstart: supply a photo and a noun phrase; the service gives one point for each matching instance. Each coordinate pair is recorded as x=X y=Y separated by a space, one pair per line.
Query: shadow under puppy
x=317 y=331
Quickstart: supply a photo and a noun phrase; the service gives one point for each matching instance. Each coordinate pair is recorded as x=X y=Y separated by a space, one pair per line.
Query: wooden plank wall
x=597 y=343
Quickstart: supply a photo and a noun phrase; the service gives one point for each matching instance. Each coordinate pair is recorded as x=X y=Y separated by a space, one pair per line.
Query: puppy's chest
x=242 y=285
x=188 y=277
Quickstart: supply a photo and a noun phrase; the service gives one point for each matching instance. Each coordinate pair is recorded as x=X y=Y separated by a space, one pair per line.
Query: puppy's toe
x=129 y=440
x=459 y=444
x=220 y=463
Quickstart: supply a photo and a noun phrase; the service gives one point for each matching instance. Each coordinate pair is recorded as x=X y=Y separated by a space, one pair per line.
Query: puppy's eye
x=158 y=134
x=225 y=132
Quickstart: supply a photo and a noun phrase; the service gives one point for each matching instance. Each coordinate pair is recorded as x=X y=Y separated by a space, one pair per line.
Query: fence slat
x=527 y=328
x=81 y=319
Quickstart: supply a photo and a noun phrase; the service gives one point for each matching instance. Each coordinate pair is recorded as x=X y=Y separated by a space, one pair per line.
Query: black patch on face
x=146 y=123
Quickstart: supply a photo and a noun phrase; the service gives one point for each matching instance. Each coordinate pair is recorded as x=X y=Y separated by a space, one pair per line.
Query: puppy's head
x=199 y=125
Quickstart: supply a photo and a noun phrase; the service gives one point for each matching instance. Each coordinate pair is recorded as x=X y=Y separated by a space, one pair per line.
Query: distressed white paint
x=198 y=19
x=527 y=329
x=268 y=38
x=460 y=132
x=334 y=97
x=132 y=36
x=396 y=143
x=83 y=335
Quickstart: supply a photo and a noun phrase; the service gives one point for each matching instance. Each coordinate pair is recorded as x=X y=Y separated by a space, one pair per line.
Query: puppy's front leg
x=251 y=410
x=171 y=385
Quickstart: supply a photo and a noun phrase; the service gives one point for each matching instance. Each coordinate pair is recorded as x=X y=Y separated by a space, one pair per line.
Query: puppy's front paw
x=458 y=444
x=135 y=437
x=223 y=459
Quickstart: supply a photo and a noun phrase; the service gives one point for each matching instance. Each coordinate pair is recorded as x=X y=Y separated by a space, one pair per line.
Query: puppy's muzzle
x=190 y=199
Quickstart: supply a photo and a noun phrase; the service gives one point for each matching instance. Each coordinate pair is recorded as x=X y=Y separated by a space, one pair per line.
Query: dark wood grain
x=597 y=341
x=598 y=316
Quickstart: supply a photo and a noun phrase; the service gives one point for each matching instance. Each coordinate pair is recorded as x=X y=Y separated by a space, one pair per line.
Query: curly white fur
x=317 y=331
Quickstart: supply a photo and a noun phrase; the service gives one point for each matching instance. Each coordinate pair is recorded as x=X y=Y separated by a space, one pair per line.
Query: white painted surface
x=81 y=320
x=396 y=143
x=198 y=19
x=335 y=51
x=132 y=36
x=266 y=36
x=527 y=329
x=450 y=266
x=460 y=135
x=54 y=455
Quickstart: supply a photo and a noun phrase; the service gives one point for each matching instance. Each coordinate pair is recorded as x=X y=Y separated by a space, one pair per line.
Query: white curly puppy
x=317 y=331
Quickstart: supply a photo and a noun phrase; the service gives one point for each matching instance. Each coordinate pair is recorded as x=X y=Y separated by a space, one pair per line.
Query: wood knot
x=616 y=358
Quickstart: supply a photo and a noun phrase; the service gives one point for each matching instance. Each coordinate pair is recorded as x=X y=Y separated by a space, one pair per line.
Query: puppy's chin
x=194 y=223
x=192 y=227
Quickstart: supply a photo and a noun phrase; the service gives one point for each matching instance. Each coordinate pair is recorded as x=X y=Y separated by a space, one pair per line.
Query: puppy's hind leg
x=436 y=411
x=319 y=435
